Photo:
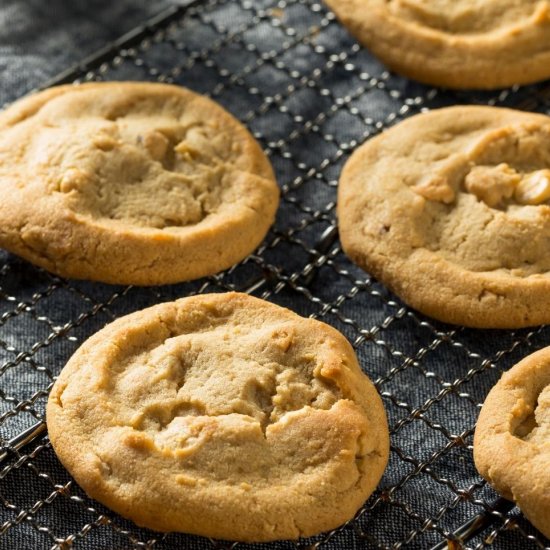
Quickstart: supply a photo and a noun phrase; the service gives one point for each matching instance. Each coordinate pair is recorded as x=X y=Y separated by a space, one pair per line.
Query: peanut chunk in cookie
x=157 y=144
x=73 y=179
x=492 y=184
x=534 y=188
x=194 y=145
x=435 y=189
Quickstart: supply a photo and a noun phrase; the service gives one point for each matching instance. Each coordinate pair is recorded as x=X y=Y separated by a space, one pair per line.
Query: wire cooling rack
x=310 y=95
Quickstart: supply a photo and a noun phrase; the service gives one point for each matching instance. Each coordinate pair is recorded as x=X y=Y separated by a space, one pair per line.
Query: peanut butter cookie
x=451 y=210
x=512 y=438
x=221 y=415
x=131 y=183
x=455 y=43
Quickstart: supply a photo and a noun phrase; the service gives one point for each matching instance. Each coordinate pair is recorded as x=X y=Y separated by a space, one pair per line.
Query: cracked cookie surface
x=221 y=415
x=512 y=438
x=132 y=183
x=479 y=44
x=451 y=210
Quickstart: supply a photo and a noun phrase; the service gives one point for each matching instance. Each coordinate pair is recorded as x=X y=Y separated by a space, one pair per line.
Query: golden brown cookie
x=455 y=43
x=512 y=438
x=131 y=183
x=451 y=210
x=221 y=415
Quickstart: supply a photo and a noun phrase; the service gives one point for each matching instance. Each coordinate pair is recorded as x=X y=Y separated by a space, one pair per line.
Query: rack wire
x=310 y=95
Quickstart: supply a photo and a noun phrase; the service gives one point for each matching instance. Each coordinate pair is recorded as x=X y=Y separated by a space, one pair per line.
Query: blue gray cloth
x=40 y=39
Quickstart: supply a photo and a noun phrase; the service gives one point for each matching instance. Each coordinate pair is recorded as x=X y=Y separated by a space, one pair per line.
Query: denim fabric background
x=40 y=39
x=310 y=95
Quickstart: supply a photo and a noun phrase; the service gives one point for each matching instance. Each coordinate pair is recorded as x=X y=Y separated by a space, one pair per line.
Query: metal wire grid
x=310 y=95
